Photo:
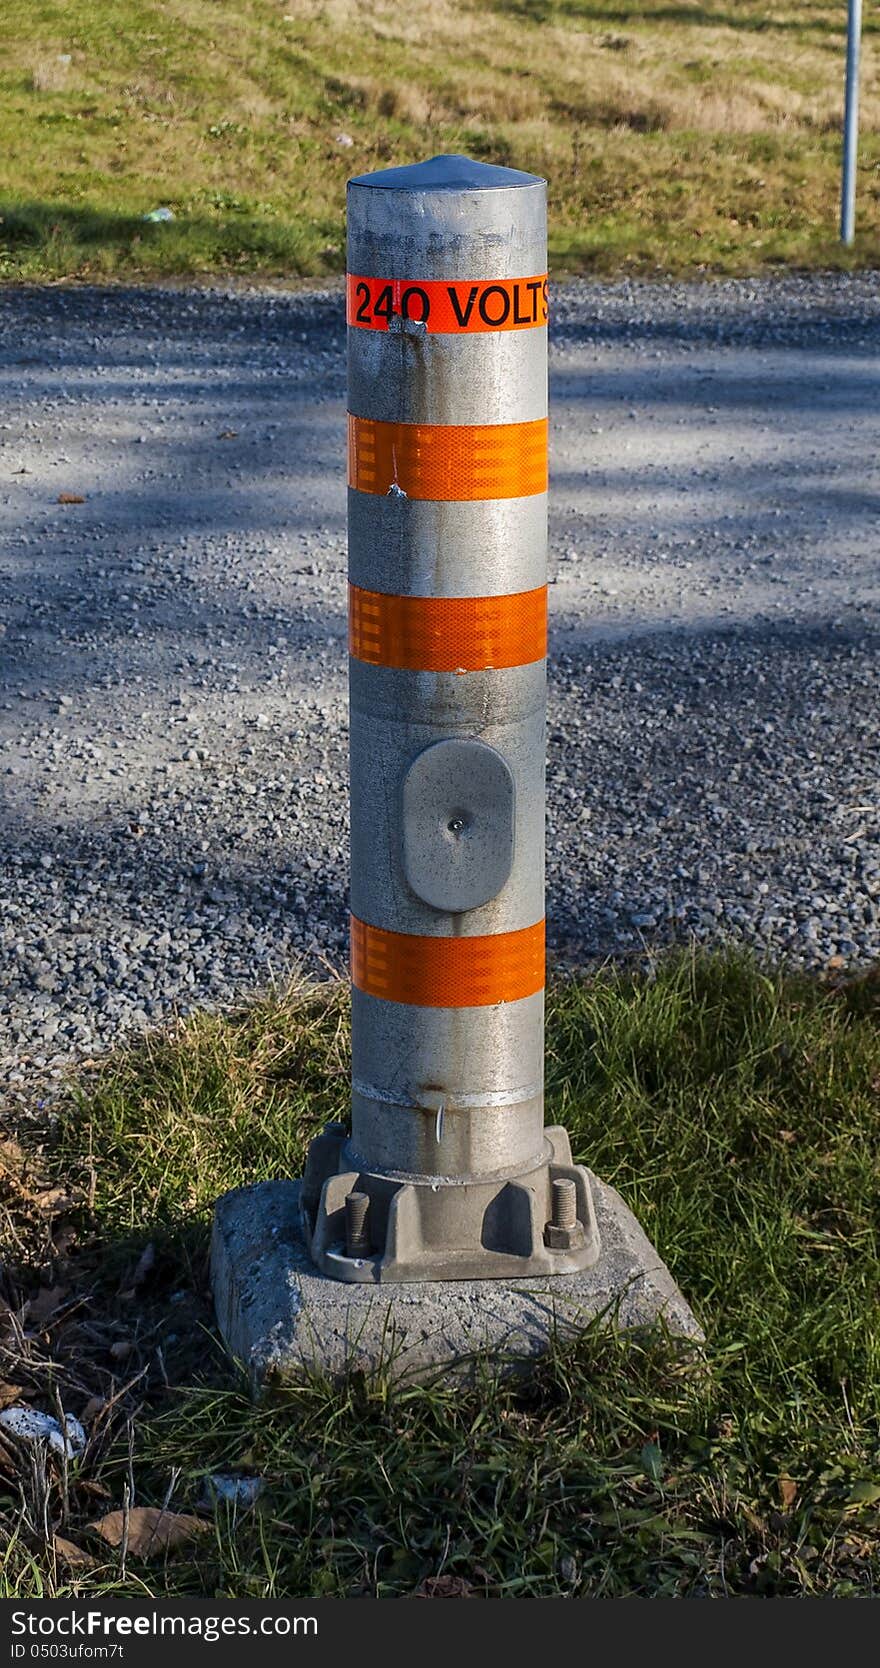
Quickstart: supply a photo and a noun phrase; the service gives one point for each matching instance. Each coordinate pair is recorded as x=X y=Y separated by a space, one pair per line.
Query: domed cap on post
x=449 y=217
x=447 y=173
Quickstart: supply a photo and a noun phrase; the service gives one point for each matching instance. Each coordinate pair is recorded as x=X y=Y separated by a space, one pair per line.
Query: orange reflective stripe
x=447 y=634
x=461 y=307
x=458 y=461
x=447 y=972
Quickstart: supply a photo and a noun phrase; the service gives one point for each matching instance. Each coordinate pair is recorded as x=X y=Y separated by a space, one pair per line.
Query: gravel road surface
x=172 y=649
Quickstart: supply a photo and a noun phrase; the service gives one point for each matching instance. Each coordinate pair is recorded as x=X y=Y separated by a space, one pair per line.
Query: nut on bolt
x=564 y=1232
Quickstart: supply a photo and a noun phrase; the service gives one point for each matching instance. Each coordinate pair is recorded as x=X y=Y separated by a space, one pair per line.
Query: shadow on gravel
x=700 y=780
x=843 y=317
x=139 y=325
x=790 y=390
x=669 y=814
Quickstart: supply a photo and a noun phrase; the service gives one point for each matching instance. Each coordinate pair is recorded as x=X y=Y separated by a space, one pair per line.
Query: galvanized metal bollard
x=449 y=1171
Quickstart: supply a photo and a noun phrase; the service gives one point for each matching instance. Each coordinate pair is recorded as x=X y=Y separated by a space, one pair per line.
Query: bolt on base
x=367 y=1227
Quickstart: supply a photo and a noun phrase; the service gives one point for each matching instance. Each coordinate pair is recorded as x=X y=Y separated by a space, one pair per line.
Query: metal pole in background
x=851 y=123
x=449 y=1172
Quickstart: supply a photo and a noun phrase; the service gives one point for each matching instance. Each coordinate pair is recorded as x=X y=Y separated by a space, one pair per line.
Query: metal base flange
x=370 y=1228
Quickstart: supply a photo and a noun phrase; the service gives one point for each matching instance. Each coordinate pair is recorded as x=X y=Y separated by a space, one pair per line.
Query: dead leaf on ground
x=787 y=1492
x=88 y=1485
x=56 y=1199
x=72 y=1555
x=9 y=1394
x=151 y=1531
x=445 y=1586
x=12 y=1156
x=44 y=1305
x=144 y=1268
x=71 y=498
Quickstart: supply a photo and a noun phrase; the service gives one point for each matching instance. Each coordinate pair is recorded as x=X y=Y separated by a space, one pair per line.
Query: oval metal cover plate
x=458 y=824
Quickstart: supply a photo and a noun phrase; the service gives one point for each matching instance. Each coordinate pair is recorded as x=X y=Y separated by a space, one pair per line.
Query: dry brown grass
x=51 y=75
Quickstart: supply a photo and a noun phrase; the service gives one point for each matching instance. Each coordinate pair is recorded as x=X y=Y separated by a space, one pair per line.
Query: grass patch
x=736 y=1110
x=676 y=137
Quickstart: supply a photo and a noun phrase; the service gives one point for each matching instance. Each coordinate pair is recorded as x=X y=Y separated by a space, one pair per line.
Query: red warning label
x=449 y=307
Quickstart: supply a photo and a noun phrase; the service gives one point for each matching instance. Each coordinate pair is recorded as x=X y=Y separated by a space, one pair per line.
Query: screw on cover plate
x=357 y=1237
x=563 y=1232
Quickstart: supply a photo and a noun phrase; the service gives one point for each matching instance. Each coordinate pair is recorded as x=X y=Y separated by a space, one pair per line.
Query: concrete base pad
x=280 y=1317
